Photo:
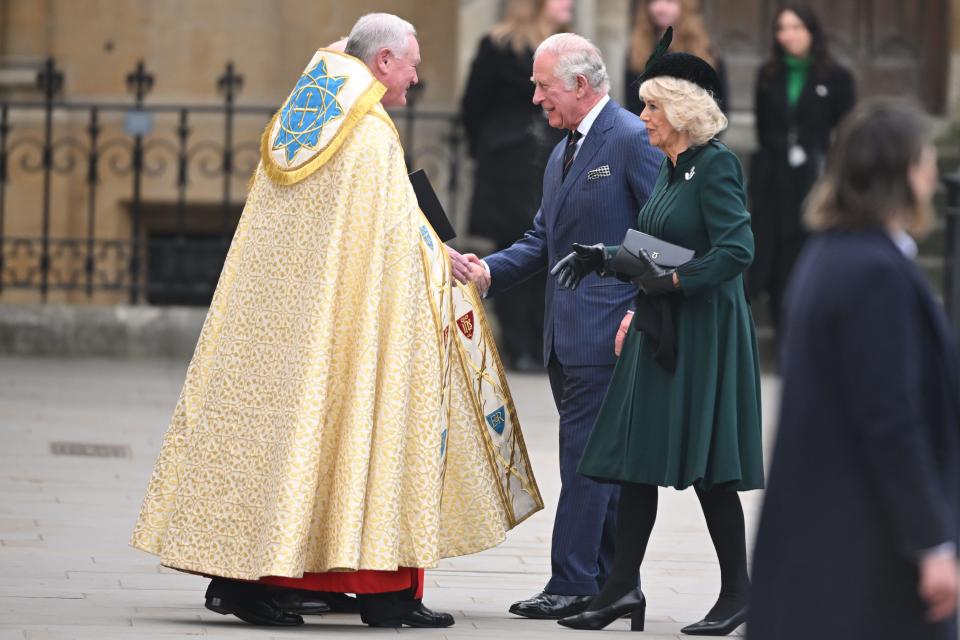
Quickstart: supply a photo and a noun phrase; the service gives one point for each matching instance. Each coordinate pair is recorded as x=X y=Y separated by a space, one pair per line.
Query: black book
x=430 y=205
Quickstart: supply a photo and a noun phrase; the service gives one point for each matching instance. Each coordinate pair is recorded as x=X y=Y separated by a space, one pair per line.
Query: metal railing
x=190 y=162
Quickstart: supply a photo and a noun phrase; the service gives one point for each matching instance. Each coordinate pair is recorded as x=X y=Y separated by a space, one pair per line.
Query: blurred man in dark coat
x=858 y=535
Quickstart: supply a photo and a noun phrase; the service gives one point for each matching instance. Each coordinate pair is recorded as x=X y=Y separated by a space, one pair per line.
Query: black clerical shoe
x=259 y=612
x=421 y=618
x=249 y=601
x=550 y=606
x=302 y=601
x=716 y=627
x=631 y=604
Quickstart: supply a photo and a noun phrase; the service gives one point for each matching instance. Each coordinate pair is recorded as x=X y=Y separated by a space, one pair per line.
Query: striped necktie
x=572 y=138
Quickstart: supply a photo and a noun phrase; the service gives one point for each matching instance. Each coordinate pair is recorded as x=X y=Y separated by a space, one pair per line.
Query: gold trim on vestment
x=379 y=112
x=446 y=387
x=481 y=419
x=530 y=485
x=489 y=372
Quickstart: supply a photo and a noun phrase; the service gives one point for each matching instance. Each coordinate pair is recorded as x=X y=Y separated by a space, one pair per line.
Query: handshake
x=469 y=268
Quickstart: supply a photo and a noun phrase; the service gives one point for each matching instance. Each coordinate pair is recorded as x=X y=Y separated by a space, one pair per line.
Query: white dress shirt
x=906 y=244
x=587 y=122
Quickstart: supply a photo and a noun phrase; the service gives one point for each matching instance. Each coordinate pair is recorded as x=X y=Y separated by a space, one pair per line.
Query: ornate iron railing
x=66 y=166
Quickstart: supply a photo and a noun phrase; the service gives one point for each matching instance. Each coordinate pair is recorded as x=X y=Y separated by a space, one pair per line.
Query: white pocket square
x=599 y=172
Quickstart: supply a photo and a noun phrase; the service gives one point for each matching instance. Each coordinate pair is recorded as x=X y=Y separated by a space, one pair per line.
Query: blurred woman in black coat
x=802 y=93
x=858 y=535
x=510 y=141
x=651 y=19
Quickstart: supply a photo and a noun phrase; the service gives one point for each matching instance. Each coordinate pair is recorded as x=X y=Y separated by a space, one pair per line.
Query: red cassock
x=363 y=581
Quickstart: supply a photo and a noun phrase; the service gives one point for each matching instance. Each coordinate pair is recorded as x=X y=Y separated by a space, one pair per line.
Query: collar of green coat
x=686 y=160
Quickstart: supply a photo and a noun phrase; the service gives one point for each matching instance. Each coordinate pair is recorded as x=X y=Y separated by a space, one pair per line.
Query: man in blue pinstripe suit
x=595 y=183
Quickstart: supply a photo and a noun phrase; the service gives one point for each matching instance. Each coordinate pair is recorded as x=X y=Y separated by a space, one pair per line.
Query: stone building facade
x=901 y=46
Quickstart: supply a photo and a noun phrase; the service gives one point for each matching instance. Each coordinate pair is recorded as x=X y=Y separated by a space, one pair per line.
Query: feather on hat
x=682 y=65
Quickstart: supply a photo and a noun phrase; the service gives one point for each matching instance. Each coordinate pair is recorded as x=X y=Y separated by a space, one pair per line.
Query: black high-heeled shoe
x=633 y=603
x=716 y=627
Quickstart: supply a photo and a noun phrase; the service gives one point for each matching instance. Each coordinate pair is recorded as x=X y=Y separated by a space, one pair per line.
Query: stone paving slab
x=66 y=570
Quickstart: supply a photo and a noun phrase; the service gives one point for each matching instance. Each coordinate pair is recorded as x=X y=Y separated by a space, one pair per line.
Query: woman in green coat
x=683 y=407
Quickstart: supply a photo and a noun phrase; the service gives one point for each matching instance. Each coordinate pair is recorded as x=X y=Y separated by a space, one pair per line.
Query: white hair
x=376 y=31
x=687 y=107
x=576 y=56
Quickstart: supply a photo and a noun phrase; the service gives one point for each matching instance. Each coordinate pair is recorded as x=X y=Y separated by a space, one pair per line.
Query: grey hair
x=376 y=31
x=576 y=56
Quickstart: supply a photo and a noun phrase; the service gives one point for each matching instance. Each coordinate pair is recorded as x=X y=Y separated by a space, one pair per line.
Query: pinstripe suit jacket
x=589 y=206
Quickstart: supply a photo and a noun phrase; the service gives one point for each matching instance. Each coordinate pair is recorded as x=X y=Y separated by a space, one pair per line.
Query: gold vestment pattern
x=336 y=415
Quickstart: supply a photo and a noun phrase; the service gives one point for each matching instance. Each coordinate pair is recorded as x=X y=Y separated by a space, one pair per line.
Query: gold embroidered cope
x=345 y=407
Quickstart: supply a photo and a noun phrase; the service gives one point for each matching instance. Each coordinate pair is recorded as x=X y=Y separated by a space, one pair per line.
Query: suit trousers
x=585 y=523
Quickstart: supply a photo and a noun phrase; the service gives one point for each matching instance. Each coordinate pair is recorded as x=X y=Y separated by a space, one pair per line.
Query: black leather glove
x=578 y=264
x=655 y=280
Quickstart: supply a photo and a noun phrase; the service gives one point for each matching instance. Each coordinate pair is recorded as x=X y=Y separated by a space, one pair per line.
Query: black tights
x=635 y=517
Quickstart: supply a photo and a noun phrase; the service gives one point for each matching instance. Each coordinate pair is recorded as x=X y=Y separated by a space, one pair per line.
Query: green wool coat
x=700 y=425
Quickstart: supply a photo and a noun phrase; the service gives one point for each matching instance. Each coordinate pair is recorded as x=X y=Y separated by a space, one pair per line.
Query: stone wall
x=186 y=43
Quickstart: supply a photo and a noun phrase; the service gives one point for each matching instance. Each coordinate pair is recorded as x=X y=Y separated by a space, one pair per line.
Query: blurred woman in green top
x=683 y=406
x=802 y=93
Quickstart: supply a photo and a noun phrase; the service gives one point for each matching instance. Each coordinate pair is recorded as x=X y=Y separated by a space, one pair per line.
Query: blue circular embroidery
x=312 y=104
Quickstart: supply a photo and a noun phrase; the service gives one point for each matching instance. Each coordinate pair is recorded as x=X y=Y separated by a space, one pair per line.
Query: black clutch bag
x=627 y=260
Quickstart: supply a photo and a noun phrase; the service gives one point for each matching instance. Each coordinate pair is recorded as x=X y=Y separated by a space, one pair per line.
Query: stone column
x=26 y=28
x=607 y=24
x=25 y=40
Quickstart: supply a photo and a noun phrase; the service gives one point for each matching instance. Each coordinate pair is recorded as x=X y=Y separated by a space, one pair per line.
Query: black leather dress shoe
x=421 y=618
x=550 y=606
x=301 y=601
x=716 y=627
x=262 y=612
x=633 y=603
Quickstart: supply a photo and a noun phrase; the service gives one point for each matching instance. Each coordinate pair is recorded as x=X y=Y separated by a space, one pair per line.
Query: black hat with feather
x=684 y=66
